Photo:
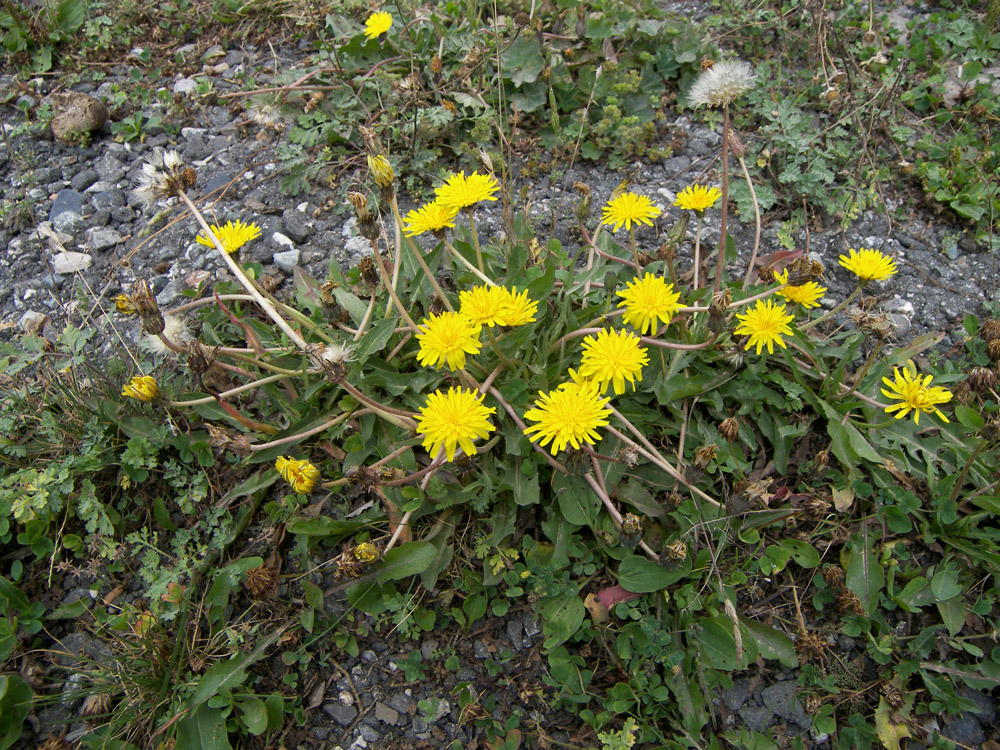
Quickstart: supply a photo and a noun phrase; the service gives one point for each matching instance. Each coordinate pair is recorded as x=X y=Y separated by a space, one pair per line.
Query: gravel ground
x=85 y=243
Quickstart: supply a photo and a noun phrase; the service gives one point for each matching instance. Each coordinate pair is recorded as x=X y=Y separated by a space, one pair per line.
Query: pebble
x=386 y=714
x=103 y=239
x=83 y=180
x=185 y=86
x=296 y=225
x=33 y=322
x=66 y=212
x=343 y=715
x=71 y=262
x=287 y=260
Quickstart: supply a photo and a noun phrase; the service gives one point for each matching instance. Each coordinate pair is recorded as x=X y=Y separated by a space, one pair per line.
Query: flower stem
x=721 y=264
x=419 y=257
x=245 y=282
x=861 y=375
x=834 y=311
x=756 y=216
x=475 y=241
x=635 y=249
x=461 y=259
x=697 y=249
x=392 y=292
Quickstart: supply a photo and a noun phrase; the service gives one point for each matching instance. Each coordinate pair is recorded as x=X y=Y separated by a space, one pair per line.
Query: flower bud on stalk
x=147 y=308
x=366 y=219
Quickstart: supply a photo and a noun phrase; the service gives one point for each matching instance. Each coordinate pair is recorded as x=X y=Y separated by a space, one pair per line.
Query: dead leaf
x=843 y=499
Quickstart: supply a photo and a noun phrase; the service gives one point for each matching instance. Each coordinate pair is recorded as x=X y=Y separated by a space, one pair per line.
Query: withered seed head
x=675 y=551
x=833 y=576
x=990 y=330
x=982 y=378
x=631 y=530
x=729 y=428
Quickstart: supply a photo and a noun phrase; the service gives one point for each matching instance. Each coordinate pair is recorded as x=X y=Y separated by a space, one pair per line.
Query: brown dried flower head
x=811 y=647
x=705 y=454
x=833 y=576
x=145 y=305
x=990 y=330
x=262 y=582
x=631 y=530
x=675 y=551
x=982 y=378
x=729 y=428
x=848 y=601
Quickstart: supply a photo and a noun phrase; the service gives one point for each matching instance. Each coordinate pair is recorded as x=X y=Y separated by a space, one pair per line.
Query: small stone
x=757 y=718
x=281 y=240
x=33 y=322
x=108 y=199
x=480 y=650
x=531 y=625
x=287 y=260
x=108 y=168
x=197 y=278
x=185 y=86
x=514 y=631
x=402 y=703
x=83 y=180
x=77 y=116
x=103 y=239
x=964 y=730
x=343 y=715
x=170 y=293
x=368 y=655
x=66 y=213
x=781 y=698
x=71 y=262
x=370 y=734
x=386 y=715
x=296 y=225
x=101 y=218
x=737 y=695
x=428 y=649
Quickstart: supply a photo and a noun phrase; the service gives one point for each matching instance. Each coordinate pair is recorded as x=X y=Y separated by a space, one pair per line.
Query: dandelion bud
x=142 y=388
x=736 y=145
x=729 y=429
x=381 y=170
x=363 y=212
x=822 y=458
x=368 y=271
x=717 y=310
x=366 y=552
x=299 y=473
x=436 y=65
x=147 y=308
x=582 y=205
x=676 y=551
x=522 y=20
x=631 y=530
x=372 y=144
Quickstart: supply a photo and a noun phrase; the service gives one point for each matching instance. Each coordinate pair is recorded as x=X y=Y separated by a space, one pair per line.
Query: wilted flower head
x=162 y=176
x=176 y=330
x=721 y=84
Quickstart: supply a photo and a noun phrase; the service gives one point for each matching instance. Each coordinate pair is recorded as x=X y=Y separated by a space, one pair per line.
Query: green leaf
x=577 y=502
x=523 y=60
x=203 y=728
x=69 y=16
x=406 y=560
x=772 y=643
x=968 y=417
x=716 y=644
x=15 y=703
x=945 y=585
x=640 y=575
x=323 y=526
x=952 y=614
x=375 y=338
x=802 y=552
x=561 y=616
x=863 y=574
x=253 y=712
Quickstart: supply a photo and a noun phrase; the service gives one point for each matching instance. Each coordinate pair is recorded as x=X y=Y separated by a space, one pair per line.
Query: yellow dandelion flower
x=629 y=208
x=520 y=310
x=377 y=24
x=915 y=394
x=765 y=323
x=460 y=191
x=431 y=217
x=697 y=198
x=612 y=358
x=569 y=415
x=142 y=388
x=233 y=236
x=299 y=473
x=365 y=552
x=453 y=420
x=381 y=170
x=647 y=300
x=447 y=338
x=808 y=295
x=869 y=265
x=485 y=305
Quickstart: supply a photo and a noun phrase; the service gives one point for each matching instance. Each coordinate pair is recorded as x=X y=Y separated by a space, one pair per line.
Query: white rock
x=33 y=321
x=185 y=86
x=287 y=260
x=71 y=262
x=282 y=240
